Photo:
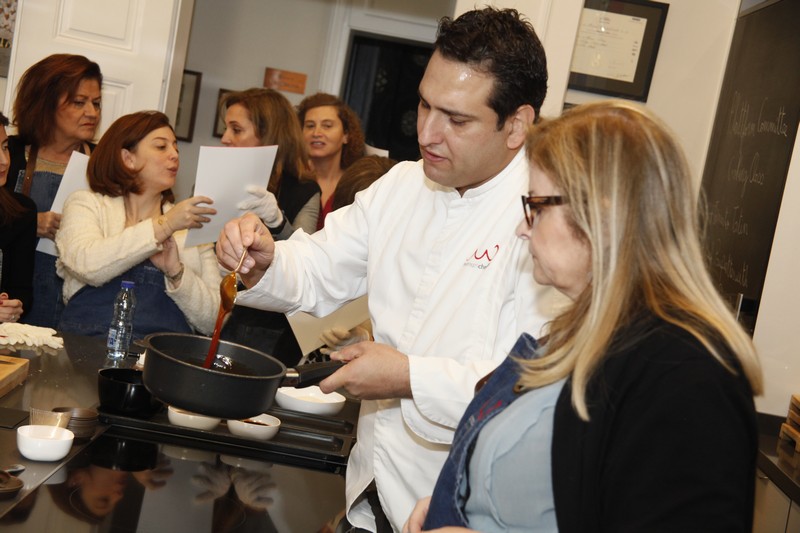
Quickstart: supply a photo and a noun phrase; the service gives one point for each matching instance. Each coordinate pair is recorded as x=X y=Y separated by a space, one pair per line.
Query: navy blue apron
x=450 y=493
x=90 y=310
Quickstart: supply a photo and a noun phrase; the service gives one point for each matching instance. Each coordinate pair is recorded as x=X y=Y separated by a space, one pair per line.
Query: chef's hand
x=47 y=224
x=373 y=372
x=157 y=477
x=264 y=204
x=10 y=309
x=214 y=479
x=246 y=233
x=338 y=338
x=253 y=488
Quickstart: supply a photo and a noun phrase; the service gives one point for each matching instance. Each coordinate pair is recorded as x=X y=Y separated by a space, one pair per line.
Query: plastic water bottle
x=121 y=329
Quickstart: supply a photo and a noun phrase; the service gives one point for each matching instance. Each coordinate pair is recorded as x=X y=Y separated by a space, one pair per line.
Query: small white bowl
x=309 y=400
x=44 y=443
x=180 y=417
x=261 y=427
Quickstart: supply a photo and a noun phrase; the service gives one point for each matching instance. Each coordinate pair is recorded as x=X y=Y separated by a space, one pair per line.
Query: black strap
x=381 y=522
x=30 y=167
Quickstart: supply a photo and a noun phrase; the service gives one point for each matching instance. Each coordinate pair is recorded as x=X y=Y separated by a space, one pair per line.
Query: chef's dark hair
x=500 y=43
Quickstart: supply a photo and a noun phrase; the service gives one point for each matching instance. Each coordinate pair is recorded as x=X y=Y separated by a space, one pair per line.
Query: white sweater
x=95 y=246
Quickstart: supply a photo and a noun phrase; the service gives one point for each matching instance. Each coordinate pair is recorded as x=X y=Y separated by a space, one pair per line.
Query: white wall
x=777 y=334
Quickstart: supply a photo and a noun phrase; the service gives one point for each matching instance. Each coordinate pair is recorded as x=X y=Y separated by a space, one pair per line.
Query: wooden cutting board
x=13 y=371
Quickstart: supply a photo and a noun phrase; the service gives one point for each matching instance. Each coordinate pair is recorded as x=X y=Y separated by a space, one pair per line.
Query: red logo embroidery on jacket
x=482 y=259
x=486 y=254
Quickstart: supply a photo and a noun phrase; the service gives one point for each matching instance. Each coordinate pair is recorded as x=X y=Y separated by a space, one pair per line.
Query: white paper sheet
x=223 y=174
x=307 y=329
x=74 y=179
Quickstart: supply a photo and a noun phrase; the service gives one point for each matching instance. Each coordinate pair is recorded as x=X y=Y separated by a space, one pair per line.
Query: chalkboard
x=750 y=150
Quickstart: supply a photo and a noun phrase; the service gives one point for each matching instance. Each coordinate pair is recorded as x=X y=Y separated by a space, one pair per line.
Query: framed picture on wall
x=187 y=105
x=219 y=120
x=616 y=47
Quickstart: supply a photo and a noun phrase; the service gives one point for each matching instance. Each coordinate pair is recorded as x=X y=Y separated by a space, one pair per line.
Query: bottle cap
x=128 y=284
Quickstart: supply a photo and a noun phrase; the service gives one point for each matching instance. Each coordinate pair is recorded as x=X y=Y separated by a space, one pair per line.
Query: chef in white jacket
x=432 y=242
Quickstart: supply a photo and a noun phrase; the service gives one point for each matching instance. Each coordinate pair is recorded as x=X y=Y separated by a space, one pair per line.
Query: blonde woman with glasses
x=635 y=412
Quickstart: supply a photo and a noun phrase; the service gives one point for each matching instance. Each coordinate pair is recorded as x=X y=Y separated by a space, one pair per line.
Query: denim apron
x=47 y=303
x=90 y=310
x=451 y=492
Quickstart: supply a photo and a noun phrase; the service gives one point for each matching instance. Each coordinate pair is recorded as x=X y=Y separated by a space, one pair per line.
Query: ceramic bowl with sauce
x=309 y=400
x=261 y=427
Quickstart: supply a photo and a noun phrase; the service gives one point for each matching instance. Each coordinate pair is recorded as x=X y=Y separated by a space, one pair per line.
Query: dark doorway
x=381 y=85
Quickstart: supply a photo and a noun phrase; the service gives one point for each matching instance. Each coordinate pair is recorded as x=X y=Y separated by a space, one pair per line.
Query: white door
x=140 y=46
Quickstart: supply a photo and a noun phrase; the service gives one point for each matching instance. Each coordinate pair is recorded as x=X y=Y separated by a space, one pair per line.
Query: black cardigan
x=18 y=243
x=671 y=444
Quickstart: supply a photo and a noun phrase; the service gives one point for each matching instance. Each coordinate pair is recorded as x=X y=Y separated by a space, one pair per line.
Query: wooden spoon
x=227 y=297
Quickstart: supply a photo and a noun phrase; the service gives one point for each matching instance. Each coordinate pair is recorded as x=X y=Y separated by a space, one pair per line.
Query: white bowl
x=44 y=443
x=180 y=417
x=261 y=427
x=309 y=400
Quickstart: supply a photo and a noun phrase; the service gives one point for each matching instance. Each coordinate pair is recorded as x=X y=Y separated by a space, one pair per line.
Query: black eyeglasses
x=532 y=204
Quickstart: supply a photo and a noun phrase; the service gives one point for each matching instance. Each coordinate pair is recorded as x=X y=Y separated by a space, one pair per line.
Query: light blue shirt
x=510 y=478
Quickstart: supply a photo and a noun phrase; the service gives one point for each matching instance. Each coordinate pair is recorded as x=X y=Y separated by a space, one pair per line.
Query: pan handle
x=309 y=374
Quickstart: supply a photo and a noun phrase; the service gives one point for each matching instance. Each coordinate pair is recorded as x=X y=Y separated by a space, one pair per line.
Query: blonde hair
x=629 y=193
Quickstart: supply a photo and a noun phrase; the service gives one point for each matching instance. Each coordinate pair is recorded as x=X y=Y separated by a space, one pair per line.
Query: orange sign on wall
x=285 y=80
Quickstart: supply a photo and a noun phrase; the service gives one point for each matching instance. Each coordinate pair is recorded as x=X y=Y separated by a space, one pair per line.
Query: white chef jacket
x=449 y=284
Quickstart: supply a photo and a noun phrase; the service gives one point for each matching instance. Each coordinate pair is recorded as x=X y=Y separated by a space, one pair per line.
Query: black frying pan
x=174 y=373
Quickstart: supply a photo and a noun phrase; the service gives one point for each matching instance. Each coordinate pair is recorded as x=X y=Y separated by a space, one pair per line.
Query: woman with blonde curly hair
x=335 y=141
x=613 y=421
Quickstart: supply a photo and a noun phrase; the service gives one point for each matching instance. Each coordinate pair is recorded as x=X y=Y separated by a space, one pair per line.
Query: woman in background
x=126 y=227
x=56 y=111
x=264 y=117
x=17 y=242
x=358 y=177
x=334 y=139
x=291 y=200
x=615 y=422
